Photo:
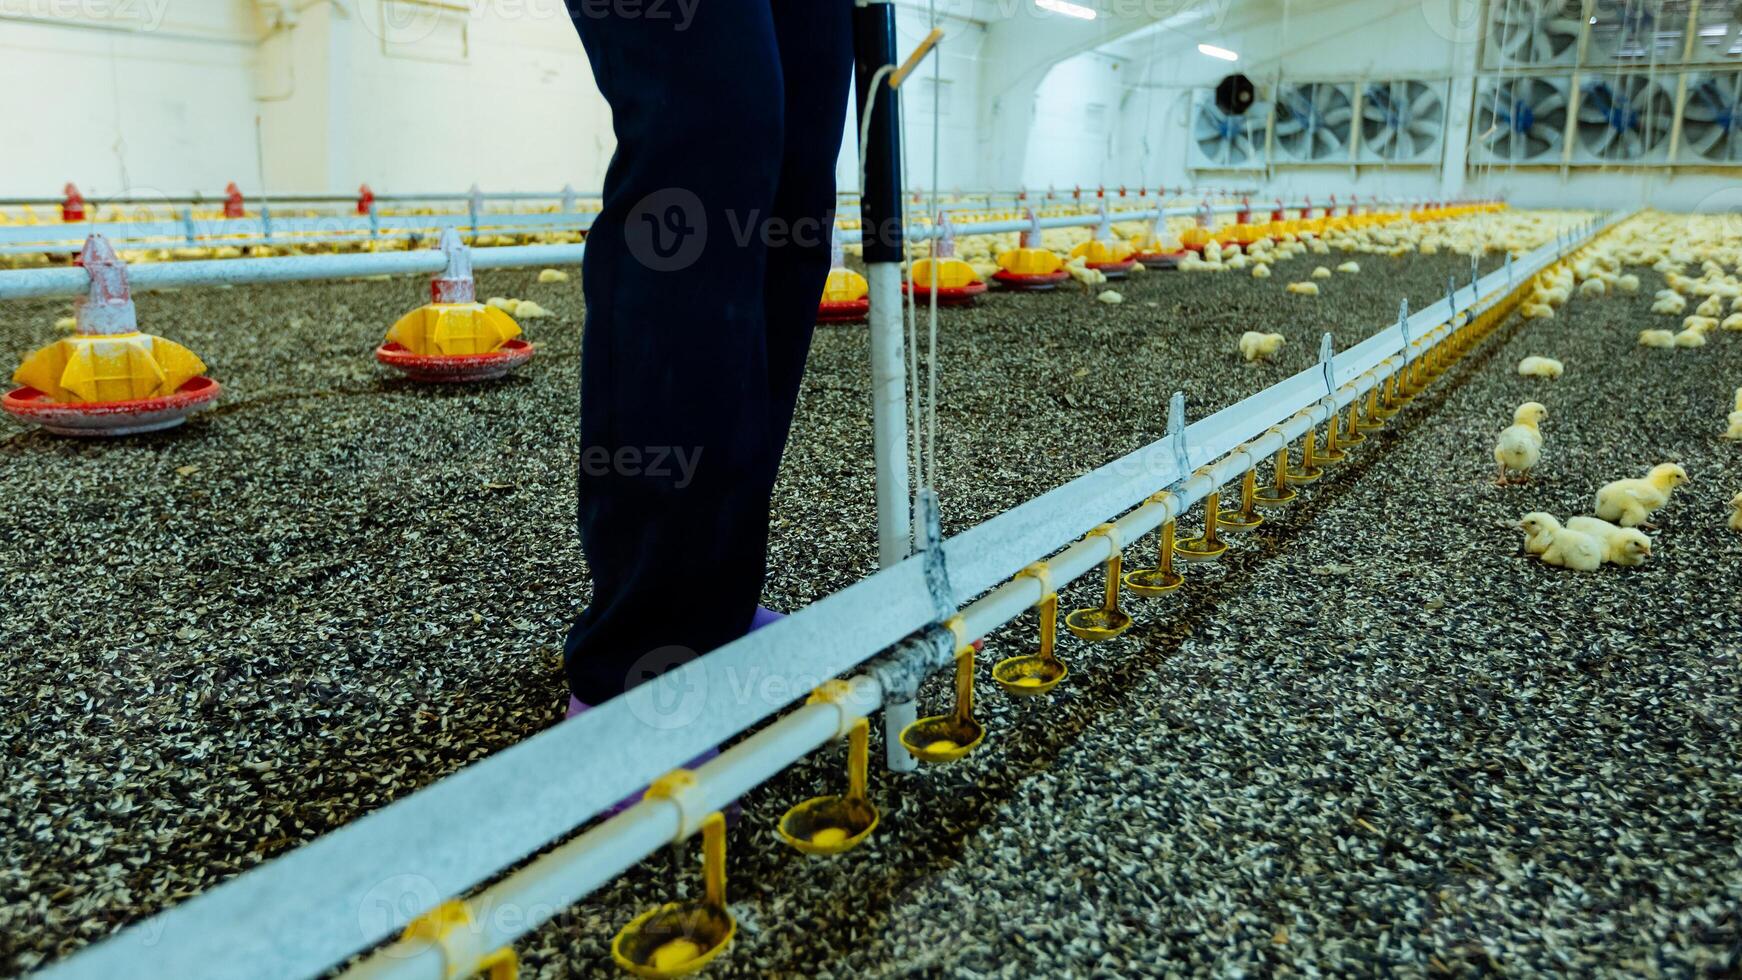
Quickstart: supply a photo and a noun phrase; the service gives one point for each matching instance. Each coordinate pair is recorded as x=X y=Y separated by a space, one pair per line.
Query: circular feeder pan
x=1304 y=474
x=1233 y=520
x=828 y=824
x=1352 y=437
x=1152 y=581
x=1197 y=549
x=673 y=940
x=1112 y=270
x=1097 y=624
x=850 y=311
x=455 y=368
x=1329 y=456
x=120 y=418
x=1029 y=284
x=1029 y=675
x=1161 y=260
x=947 y=295
x=942 y=738
x=1273 y=497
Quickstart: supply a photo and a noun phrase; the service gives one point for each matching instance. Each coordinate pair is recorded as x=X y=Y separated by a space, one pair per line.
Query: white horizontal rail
x=259 y=230
x=302 y=913
x=72 y=280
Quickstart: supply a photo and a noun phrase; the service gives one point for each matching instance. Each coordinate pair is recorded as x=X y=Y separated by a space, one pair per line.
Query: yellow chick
x=1570 y=549
x=1630 y=503
x=1255 y=346
x=70 y=323
x=1712 y=307
x=1672 y=305
x=1731 y=322
x=1593 y=289
x=1624 y=546
x=503 y=303
x=1537 y=528
x=1519 y=447
x=1110 y=297
x=553 y=275
x=1560 y=546
x=1304 y=288
x=1628 y=283
x=1536 y=311
x=1703 y=324
x=1540 y=367
x=1735 y=418
x=1690 y=338
x=1661 y=339
x=1736 y=513
x=1262 y=271
x=1555 y=296
x=1350 y=266
x=1321 y=273
x=528 y=310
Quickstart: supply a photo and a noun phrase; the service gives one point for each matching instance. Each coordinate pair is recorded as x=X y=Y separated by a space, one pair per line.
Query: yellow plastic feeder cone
x=1031 y=266
x=108 y=378
x=454 y=338
x=845 y=292
x=951 y=280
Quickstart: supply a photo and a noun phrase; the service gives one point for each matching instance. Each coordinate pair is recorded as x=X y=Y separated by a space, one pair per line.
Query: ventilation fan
x=1224 y=140
x=1624 y=119
x=1402 y=122
x=1712 y=118
x=1313 y=122
x=1520 y=120
x=1637 y=32
x=1534 y=32
x=1720 y=27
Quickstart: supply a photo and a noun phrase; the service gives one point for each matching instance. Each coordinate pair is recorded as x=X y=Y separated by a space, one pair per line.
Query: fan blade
x=1339 y=116
x=1552 y=103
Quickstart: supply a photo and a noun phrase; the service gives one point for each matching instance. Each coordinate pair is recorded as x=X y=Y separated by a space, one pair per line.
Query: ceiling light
x=1067 y=8
x=1215 y=52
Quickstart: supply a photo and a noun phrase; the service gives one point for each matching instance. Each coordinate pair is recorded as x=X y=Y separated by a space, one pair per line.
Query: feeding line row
x=305 y=912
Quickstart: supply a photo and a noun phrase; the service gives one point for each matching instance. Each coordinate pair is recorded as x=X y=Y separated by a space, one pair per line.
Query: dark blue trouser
x=702 y=278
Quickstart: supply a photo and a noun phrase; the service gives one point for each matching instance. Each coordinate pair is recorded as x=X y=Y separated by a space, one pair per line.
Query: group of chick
x=1621 y=507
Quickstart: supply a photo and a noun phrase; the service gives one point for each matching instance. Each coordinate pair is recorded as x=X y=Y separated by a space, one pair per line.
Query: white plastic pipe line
x=72 y=280
x=308 y=910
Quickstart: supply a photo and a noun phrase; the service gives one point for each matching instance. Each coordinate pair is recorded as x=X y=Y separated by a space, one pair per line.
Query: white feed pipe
x=304 y=912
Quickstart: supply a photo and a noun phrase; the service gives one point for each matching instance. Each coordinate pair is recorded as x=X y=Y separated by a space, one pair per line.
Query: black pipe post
x=880 y=205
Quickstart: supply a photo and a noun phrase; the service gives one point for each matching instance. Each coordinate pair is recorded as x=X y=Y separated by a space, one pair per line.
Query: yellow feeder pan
x=1031 y=267
x=454 y=338
x=845 y=292
x=679 y=938
x=950 y=279
x=826 y=825
x=1207 y=546
x=1162 y=579
x=108 y=378
x=946 y=738
x=1106 y=621
x=1039 y=672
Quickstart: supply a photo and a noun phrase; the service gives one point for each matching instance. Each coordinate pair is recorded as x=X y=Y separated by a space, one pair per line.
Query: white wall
x=1078 y=127
x=161 y=103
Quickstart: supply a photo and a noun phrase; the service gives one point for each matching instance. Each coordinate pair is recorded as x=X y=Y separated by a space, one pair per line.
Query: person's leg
x=675 y=470
x=816 y=58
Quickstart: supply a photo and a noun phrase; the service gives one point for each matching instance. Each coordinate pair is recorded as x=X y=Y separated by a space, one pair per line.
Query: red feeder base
x=1029 y=284
x=455 y=368
x=1113 y=270
x=947 y=295
x=1161 y=260
x=123 y=418
x=852 y=311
